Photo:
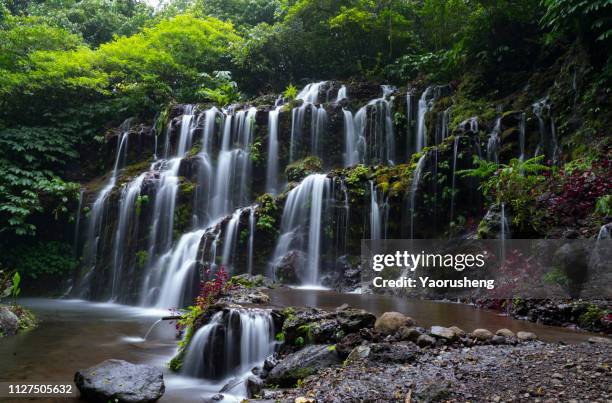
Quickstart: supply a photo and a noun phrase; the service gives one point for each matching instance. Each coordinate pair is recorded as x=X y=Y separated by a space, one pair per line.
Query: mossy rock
x=298 y=170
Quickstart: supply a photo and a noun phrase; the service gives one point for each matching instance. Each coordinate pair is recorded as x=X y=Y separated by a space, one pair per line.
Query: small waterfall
x=233 y=342
x=604 y=233
x=442 y=127
x=494 y=142
x=98 y=210
x=205 y=169
x=304 y=209
x=125 y=227
x=522 y=125
x=272 y=165
x=231 y=234
x=424 y=106
x=186 y=135
x=371 y=138
x=310 y=97
x=548 y=138
x=77 y=225
x=342 y=94
x=455 y=149
x=251 y=239
x=375 y=229
x=416 y=178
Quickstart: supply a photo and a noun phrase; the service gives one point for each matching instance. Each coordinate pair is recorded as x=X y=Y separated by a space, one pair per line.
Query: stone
x=600 y=340
x=117 y=379
x=254 y=386
x=358 y=353
x=458 y=331
x=408 y=333
x=498 y=340
x=352 y=320
x=425 y=340
x=526 y=336
x=505 y=332
x=9 y=322
x=302 y=363
x=482 y=334
x=442 y=332
x=347 y=344
x=390 y=322
x=270 y=363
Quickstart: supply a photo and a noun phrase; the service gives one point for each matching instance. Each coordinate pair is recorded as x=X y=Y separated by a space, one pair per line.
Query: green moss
x=300 y=169
x=591 y=316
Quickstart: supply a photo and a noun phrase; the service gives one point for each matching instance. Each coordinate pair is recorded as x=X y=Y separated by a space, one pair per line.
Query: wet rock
x=302 y=363
x=443 y=333
x=254 y=386
x=408 y=333
x=498 y=340
x=505 y=332
x=290 y=269
x=390 y=322
x=434 y=392
x=425 y=340
x=600 y=340
x=526 y=336
x=359 y=353
x=352 y=320
x=347 y=344
x=117 y=379
x=458 y=331
x=9 y=322
x=392 y=353
x=482 y=334
x=270 y=363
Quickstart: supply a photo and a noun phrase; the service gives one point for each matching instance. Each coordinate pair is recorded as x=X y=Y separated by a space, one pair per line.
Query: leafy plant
x=290 y=92
x=603 y=206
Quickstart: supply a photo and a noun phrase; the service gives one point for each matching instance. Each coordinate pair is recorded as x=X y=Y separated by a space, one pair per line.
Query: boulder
x=290 y=269
x=390 y=322
x=121 y=380
x=347 y=344
x=408 y=333
x=359 y=352
x=526 y=336
x=505 y=332
x=482 y=335
x=352 y=320
x=302 y=363
x=444 y=333
x=254 y=386
x=9 y=322
x=458 y=331
x=498 y=340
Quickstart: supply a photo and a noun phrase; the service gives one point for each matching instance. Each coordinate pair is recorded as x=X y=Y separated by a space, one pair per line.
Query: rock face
x=121 y=380
x=390 y=322
x=301 y=364
x=9 y=323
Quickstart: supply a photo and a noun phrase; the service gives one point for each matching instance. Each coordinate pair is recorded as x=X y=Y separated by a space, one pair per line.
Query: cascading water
x=272 y=165
x=99 y=210
x=342 y=94
x=303 y=209
x=251 y=240
x=548 y=138
x=127 y=225
x=374 y=214
x=494 y=142
x=455 y=149
x=318 y=120
x=416 y=178
x=233 y=342
x=371 y=137
x=424 y=106
x=77 y=226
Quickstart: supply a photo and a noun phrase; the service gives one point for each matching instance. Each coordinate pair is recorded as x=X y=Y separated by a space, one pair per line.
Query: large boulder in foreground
x=121 y=380
x=301 y=364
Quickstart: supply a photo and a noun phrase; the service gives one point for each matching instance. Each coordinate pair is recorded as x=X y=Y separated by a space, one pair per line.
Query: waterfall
x=548 y=138
x=374 y=214
x=455 y=148
x=233 y=342
x=77 y=225
x=231 y=233
x=522 y=125
x=494 y=142
x=272 y=165
x=125 y=227
x=186 y=134
x=318 y=121
x=604 y=233
x=416 y=178
x=205 y=169
x=304 y=208
x=371 y=138
x=442 y=128
x=98 y=210
x=342 y=94
x=251 y=239
x=424 y=106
